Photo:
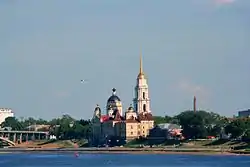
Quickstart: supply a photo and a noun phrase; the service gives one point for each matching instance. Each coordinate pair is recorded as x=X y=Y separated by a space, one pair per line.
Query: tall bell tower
x=141 y=100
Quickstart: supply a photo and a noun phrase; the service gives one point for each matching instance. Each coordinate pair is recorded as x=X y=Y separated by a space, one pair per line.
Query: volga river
x=124 y=160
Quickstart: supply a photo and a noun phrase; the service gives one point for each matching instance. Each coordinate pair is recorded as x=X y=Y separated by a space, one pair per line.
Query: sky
x=190 y=48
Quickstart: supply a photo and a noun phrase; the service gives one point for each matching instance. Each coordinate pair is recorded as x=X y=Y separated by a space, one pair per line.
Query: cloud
x=191 y=89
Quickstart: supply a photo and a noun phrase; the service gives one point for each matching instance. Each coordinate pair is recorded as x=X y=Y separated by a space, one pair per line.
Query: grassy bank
x=123 y=151
x=199 y=146
x=222 y=144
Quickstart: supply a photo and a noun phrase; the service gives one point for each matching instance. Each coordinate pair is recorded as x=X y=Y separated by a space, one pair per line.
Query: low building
x=244 y=114
x=38 y=128
x=165 y=131
x=5 y=113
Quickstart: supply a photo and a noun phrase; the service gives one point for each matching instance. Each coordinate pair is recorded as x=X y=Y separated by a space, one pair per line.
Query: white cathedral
x=114 y=125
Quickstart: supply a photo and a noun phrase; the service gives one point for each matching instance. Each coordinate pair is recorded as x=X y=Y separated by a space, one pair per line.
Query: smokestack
x=194 y=104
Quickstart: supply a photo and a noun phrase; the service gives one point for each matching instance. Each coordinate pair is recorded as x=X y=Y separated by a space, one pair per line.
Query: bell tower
x=141 y=100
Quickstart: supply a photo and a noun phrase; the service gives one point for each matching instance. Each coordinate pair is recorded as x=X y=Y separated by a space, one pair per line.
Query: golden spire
x=141 y=70
x=141 y=73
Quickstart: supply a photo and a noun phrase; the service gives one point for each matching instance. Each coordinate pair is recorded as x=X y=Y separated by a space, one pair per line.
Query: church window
x=131 y=127
x=143 y=94
x=144 y=107
x=131 y=133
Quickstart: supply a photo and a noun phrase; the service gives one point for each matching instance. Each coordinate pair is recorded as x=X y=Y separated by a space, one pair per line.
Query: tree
x=41 y=122
x=238 y=128
x=198 y=124
x=84 y=122
x=65 y=127
x=13 y=123
x=160 y=119
x=61 y=128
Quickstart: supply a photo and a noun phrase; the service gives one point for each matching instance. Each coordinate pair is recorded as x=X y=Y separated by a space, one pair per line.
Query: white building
x=5 y=113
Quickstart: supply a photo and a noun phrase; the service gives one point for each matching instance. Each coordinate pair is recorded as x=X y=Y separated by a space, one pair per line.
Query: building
x=5 y=113
x=115 y=126
x=244 y=114
x=166 y=131
x=38 y=127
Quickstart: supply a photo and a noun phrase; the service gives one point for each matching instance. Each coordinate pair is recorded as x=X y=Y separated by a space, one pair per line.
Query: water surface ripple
x=123 y=160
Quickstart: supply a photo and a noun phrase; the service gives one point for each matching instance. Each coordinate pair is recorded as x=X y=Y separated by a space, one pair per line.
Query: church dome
x=114 y=97
x=97 y=108
x=97 y=112
x=130 y=109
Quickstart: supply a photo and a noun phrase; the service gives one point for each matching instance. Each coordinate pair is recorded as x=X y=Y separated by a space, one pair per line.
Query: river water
x=123 y=160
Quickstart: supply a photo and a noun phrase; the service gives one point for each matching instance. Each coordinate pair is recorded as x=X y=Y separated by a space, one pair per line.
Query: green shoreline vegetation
x=229 y=133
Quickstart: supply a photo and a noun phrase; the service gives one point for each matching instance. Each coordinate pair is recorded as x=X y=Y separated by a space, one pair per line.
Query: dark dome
x=130 y=108
x=114 y=98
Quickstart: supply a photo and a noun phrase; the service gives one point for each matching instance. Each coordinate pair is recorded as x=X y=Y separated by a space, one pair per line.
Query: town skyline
x=189 y=49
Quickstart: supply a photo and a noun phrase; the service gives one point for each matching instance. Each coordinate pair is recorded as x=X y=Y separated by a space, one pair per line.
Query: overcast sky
x=189 y=47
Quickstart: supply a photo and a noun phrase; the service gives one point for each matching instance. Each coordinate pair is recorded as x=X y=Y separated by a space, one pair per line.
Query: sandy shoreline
x=125 y=151
x=153 y=152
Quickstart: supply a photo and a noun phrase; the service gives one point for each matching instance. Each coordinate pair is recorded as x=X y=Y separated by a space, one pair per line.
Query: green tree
x=198 y=124
x=238 y=128
x=64 y=127
x=13 y=123
x=160 y=119
x=67 y=127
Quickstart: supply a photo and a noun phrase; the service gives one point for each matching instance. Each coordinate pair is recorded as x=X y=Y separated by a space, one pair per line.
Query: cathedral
x=134 y=123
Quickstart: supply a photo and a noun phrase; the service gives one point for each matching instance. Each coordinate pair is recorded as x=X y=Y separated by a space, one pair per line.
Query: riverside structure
x=14 y=137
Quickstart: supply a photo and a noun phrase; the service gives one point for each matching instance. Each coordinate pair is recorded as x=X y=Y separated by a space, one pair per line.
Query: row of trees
x=195 y=125
x=65 y=127
x=201 y=124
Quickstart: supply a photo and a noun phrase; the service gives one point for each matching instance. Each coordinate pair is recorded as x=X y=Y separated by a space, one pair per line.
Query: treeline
x=195 y=125
x=201 y=124
x=65 y=127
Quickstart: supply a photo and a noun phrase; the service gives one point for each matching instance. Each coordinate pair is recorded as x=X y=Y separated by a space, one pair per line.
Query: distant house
x=166 y=131
x=244 y=114
x=38 y=128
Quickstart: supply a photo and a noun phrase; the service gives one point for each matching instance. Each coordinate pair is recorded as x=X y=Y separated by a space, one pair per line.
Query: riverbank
x=193 y=151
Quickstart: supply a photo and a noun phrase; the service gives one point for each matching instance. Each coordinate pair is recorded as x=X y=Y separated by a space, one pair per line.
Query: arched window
x=144 y=107
x=143 y=94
